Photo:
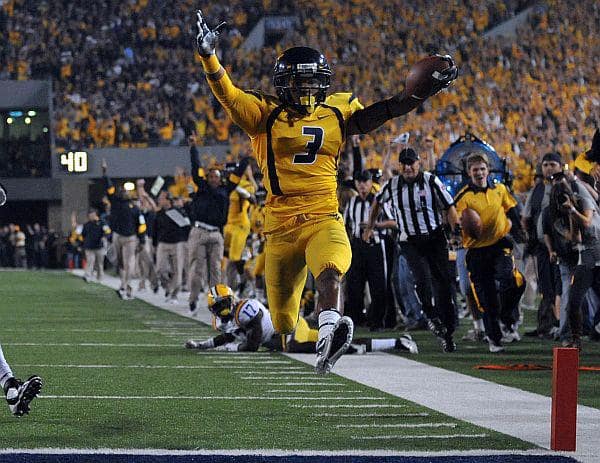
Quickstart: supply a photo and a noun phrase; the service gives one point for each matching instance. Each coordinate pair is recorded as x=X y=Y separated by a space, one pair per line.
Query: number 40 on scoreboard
x=74 y=161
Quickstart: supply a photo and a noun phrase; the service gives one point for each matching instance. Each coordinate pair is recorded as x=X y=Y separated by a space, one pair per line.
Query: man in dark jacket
x=208 y=215
x=129 y=232
x=93 y=234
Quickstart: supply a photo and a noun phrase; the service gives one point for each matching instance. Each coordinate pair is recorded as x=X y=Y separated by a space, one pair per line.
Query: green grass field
x=116 y=376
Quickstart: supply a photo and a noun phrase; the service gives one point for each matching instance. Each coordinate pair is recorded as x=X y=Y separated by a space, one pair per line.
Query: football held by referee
x=419 y=200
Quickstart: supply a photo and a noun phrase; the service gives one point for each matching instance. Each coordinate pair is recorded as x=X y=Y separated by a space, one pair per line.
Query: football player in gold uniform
x=237 y=229
x=296 y=138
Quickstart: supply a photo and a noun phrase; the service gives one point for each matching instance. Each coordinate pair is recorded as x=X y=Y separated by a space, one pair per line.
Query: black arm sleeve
x=372 y=117
x=357 y=160
x=515 y=218
x=197 y=174
x=253 y=335
x=223 y=339
x=234 y=178
x=109 y=187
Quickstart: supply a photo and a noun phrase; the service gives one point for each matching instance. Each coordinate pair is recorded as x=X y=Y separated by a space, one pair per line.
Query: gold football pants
x=316 y=241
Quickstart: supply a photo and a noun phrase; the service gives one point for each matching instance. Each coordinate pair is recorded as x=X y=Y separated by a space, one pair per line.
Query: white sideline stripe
x=432 y=436
x=277 y=452
x=78 y=330
x=350 y=406
x=398 y=425
x=208 y=397
x=85 y=344
x=372 y=415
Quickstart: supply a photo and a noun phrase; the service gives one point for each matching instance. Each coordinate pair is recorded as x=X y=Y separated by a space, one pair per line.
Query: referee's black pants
x=497 y=286
x=428 y=259
x=368 y=265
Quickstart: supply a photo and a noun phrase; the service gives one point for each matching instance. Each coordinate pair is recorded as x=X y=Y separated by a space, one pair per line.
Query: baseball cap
x=408 y=156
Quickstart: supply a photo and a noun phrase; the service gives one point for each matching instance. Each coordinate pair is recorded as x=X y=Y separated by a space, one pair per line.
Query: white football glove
x=200 y=345
x=206 y=39
x=2 y=196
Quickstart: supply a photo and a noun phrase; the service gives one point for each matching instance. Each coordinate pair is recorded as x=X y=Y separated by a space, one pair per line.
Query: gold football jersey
x=238 y=212
x=297 y=154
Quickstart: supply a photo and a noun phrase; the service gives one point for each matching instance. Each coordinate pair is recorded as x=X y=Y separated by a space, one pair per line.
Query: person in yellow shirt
x=237 y=228
x=497 y=285
x=296 y=138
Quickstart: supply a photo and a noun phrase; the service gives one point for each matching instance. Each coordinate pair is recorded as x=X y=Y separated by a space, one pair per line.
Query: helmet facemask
x=223 y=307
x=303 y=87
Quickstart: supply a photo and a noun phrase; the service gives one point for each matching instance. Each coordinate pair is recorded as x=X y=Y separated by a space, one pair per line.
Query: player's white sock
x=382 y=344
x=327 y=320
x=478 y=325
x=5 y=371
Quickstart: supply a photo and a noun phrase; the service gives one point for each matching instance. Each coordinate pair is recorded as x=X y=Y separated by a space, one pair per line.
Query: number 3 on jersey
x=312 y=146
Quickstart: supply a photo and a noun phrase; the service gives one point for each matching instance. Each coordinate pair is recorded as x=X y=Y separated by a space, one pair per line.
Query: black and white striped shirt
x=418 y=205
x=357 y=211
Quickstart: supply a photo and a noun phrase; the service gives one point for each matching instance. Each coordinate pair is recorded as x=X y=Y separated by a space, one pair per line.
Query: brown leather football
x=420 y=81
x=470 y=221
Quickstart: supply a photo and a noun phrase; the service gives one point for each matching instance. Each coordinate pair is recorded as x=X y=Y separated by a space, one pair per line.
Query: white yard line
x=207 y=397
x=348 y=406
x=148 y=367
x=310 y=391
x=372 y=415
x=420 y=436
x=85 y=344
x=397 y=425
x=512 y=411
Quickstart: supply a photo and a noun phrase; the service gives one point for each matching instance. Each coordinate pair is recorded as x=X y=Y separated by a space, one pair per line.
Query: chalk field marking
x=311 y=391
x=269 y=452
x=79 y=330
x=272 y=373
x=174 y=397
x=432 y=436
x=287 y=375
x=85 y=344
x=372 y=415
x=398 y=425
x=303 y=384
x=144 y=367
x=350 y=406
x=250 y=362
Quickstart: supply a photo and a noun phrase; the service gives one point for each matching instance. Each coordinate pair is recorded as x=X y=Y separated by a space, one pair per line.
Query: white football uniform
x=245 y=311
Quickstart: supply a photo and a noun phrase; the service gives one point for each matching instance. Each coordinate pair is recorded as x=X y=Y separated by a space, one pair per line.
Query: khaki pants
x=145 y=265
x=170 y=259
x=206 y=253
x=125 y=248
x=94 y=258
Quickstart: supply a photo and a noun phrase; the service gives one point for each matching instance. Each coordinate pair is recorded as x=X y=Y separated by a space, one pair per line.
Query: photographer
x=571 y=233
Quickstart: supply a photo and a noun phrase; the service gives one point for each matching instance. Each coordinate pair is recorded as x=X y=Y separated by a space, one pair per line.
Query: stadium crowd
x=525 y=97
x=32 y=247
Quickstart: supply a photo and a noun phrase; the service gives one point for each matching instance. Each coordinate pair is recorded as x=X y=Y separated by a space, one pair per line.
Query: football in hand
x=470 y=221
x=420 y=80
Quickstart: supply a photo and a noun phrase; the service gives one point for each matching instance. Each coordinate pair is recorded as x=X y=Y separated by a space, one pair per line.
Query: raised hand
x=206 y=39
x=444 y=78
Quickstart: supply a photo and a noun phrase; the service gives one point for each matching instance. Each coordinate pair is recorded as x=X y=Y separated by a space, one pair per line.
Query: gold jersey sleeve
x=238 y=212
x=298 y=154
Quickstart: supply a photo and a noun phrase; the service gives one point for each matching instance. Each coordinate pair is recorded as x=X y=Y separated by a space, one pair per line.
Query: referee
x=369 y=260
x=418 y=200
